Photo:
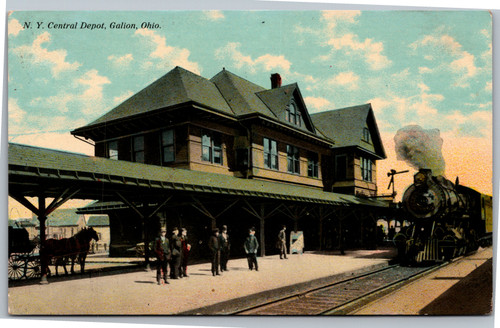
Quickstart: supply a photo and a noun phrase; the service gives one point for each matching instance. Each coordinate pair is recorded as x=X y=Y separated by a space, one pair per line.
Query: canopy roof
x=34 y=170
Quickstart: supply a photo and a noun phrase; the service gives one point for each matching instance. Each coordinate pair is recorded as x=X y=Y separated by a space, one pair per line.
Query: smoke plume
x=420 y=148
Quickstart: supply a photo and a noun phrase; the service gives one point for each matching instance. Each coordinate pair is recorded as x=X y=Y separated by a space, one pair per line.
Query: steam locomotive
x=447 y=220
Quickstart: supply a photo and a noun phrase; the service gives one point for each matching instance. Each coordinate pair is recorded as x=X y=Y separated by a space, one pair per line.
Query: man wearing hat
x=224 y=248
x=162 y=251
x=214 y=246
x=251 y=246
x=175 y=247
x=282 y=242
x=186 y=247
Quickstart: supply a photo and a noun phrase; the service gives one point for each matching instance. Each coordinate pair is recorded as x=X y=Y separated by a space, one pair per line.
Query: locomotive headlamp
x=419 y=179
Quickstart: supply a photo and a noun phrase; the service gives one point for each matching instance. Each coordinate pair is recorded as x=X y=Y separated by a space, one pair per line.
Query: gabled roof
x=240 y=94
x=345 y=127
x=176 y=87
x=63 y=218
x=98 y=221
x=23 y=222
x=278 y=99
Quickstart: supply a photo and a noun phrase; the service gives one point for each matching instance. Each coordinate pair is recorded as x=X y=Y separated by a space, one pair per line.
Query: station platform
x=128 y=289
x=121 y=286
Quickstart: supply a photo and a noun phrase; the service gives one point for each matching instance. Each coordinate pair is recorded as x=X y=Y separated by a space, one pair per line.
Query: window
x=366 y=135
x=293 y=159
x=113 y=149
x=167 y=146
x=366 y=169
x=341 y=167
x=270 y=154
x=211 y=148
x=312 y=165
x=293 y=114
x=138 y=149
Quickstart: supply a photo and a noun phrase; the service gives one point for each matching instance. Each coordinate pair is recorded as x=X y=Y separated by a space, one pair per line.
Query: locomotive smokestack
x=419 y=148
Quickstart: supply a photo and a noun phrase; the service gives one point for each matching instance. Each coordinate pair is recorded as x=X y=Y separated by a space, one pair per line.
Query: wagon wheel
x=16 y=269
x=33 y=268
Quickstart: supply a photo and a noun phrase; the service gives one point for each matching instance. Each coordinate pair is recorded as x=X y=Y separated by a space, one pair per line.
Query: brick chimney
x=275 y=81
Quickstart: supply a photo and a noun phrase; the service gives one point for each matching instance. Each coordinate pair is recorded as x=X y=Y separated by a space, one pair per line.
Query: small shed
x=64 y=223
x=100 y=223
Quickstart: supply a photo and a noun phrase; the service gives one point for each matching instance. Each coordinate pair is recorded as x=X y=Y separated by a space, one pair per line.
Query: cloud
x=121 y=98
x=37 y=54
x=333 y=17
x=425 y=70
x=317 y=103
x=64 y=141
x=265 y=62
x=14 y=27
x=370 y=50
x=452 y=56
x=477 y=123
x=166 y=55
x=122 y=60
x=85 y=96
x=92 y=97
x=16 y=114
x=345 y=79
x=214 y=15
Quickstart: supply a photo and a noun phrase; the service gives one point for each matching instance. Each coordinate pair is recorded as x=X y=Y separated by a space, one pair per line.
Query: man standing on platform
x=175 y=246
x=282 y=242
x=224 y=248
x=162 y=251
x=251 y=245
x=214 y=246
x=186 y=247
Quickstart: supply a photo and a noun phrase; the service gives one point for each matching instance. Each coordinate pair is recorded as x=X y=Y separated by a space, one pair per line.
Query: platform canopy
x=33 y=171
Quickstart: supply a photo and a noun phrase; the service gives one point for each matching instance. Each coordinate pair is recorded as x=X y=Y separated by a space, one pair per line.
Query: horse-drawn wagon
x=24 y=259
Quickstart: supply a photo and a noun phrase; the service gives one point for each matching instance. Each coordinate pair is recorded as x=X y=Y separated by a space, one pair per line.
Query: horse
x=69 y=248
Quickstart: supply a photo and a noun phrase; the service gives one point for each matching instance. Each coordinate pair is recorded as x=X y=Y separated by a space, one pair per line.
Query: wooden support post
x=42 y=218
x=262 y=231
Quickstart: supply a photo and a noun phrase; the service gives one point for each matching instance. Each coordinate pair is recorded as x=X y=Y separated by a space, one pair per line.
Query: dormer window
x=366 y=135
x=293 y=114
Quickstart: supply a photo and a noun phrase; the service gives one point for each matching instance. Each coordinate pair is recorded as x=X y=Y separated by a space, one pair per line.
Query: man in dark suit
x=214 y=246
x=224 y=248
x=162 y=251
x=186 y=247
x=175 y=247
x=251 y=245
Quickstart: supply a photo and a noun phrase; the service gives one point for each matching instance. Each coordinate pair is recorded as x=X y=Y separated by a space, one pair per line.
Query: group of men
x=176 y=250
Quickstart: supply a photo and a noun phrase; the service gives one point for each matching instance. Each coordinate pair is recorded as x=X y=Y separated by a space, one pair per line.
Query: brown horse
x=74 y=247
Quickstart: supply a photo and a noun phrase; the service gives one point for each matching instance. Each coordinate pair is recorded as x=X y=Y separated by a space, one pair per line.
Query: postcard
x=264 y=163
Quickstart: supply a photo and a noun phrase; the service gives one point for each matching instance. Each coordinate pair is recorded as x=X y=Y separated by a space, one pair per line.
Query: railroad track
x=342 y=297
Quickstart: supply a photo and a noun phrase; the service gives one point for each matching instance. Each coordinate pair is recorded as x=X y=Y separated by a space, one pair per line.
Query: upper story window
x=340 y=167
x=293 y=159
x=211 y=148
x=167 y=146
x=138 y=149
x=312 y=165
x=366 y=135
x=113 y=149
x=293 y=114
x=366 y=169
x=270 y=154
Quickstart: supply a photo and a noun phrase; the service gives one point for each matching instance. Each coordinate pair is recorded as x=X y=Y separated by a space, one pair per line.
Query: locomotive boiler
x=446 y=220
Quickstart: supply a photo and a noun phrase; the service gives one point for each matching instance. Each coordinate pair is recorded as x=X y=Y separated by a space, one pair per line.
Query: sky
x=426 y=68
